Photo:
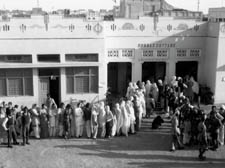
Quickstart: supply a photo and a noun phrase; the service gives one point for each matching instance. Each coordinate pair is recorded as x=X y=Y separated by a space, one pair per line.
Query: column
x=137 y=71
x=36 y=84
x=62 y=84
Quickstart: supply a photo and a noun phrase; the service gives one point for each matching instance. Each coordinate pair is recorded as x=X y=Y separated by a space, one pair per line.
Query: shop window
x=148 y=53
x=82 y=57
x=16 y=82
x=195 y=53
x=16 y=58
x=113 y=53
x=181 y=53
x=48 y=58
x=82 y=80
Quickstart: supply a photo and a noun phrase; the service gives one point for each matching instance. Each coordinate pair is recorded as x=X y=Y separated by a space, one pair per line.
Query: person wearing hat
x=8 y=125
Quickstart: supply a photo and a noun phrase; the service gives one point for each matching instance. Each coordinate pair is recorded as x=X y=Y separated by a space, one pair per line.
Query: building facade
x=79 y=59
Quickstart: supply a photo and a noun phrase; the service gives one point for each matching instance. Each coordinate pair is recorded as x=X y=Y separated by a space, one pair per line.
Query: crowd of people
x=179 y=98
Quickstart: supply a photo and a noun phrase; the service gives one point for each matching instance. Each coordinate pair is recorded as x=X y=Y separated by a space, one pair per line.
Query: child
x=25 y=121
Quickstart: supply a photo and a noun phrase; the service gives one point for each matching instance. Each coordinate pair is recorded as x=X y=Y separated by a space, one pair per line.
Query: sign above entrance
x=157 y=45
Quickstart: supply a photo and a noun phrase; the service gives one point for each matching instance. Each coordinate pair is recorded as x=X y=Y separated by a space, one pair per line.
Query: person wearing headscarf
x=44 y=124
x=102 y=119
x=35 y=121
x=109 y=122
x=94 y=122
x=131 y=115
x=67 y=118
x=79 y=120
x=119 y=118
x=138 y=112
x=155 y=92
x=175 y=131
x=114 y=129
x=60 y=112
x=52 y=120
x=87 y=118
x=126 y=121
x=130 y=90
x=147 y=88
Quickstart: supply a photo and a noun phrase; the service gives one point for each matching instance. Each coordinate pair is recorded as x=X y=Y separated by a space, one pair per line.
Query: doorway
x=119 y=76
x=153 y=71
x=189 y=68
x=49 y=83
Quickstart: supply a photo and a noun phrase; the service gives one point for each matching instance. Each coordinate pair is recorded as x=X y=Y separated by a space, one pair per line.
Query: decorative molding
x=36 y=26
x=59 y=26
x=113 y=27
x=142 y=27
x=182 y=26
x=128 y=26
x=98 y=28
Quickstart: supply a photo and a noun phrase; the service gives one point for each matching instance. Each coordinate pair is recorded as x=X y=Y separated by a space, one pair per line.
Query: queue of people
x=71 y=121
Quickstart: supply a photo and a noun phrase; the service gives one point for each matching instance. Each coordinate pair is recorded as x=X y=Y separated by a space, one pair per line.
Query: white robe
x=119 y=119
x=126 y=121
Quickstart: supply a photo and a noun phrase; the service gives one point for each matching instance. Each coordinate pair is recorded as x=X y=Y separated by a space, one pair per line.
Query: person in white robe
x=94 y=122
x=102 y=119
x=126 y=121
x=79 y=120
x=52 y=120
x=35 y=121
x=130 y=110
x=119 y=119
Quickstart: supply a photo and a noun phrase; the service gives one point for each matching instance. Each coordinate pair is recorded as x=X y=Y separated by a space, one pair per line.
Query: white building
x=77 y=59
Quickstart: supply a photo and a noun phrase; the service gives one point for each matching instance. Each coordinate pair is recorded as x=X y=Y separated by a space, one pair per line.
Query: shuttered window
x=16 y=82
x=82 y=80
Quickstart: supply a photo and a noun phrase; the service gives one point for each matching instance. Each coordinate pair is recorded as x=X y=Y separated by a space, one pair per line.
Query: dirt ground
x=146 y=149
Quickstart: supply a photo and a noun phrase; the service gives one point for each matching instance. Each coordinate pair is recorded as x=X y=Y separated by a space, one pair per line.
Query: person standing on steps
x=202 y=138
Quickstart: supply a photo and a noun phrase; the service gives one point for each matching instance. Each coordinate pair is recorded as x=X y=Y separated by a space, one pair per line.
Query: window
x=181 y=53
x=127 y=53
x=113 y=53
x=82 y=80
x=148 y=53
x=48 y=58
x=16 y=82
x=162 y=53
x=82 y=57
x=16 y=58
x=195 y=53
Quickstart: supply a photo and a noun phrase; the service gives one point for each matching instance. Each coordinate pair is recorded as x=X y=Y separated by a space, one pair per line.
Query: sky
x=50 y=5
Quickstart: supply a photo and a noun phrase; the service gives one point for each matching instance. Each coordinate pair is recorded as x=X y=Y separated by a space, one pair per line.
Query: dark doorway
x=49 y=83
x=153 y=71
x=119 y=76
x=184 y=68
